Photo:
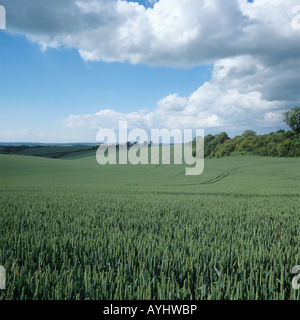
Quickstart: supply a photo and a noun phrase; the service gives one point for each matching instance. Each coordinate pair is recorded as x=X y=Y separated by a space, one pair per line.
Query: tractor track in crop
x=219 y=177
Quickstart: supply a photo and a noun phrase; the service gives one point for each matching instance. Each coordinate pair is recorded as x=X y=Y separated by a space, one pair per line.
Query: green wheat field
x=72 y=229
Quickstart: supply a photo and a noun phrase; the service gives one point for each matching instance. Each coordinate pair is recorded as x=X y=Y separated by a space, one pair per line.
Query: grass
x=72 y=229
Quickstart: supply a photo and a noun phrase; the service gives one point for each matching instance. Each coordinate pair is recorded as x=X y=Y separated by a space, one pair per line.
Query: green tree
x=292 y=119
x=249 y=133
x=221 y=137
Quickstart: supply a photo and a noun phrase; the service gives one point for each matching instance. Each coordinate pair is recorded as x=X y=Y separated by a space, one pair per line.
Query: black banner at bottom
x=145 y=309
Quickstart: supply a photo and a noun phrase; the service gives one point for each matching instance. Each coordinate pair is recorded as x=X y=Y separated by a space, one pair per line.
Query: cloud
x=253 y=47
x=27 y=135
x=15 y=135
x=109 y=119
x=230 y=100
x=172 y=33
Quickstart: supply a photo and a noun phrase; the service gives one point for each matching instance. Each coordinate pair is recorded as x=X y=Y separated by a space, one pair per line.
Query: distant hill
x=275 y=144
x=34 y=144
x=49 y=151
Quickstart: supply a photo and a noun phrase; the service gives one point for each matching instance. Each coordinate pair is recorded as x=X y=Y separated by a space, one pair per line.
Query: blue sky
x=167 y=66
x=40 y=89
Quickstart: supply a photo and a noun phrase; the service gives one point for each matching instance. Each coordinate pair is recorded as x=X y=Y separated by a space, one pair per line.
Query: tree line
x=275 y=144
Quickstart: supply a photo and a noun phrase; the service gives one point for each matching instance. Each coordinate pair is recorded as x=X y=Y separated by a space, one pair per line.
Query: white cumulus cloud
x=219 y=103
x=253 y=47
